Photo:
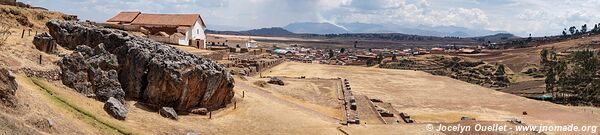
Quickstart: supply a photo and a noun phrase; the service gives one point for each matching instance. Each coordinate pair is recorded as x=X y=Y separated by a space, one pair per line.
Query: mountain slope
x=422 y=30
x=273 y=31
x=315 y=28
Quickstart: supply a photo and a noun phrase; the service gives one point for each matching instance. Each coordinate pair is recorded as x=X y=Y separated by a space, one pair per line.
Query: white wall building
x=186 y=29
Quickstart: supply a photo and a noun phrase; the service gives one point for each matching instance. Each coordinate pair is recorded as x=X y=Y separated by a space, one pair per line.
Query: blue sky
x=521 y=17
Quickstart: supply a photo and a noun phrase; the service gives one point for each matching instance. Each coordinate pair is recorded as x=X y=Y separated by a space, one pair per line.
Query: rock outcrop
x=475 y=72
x=92 y=72
x=201 y=111
x=275 y=80
x=151 y=72
x=168 y=112
x=44 y=43
x=115 y=108
x=8 y=87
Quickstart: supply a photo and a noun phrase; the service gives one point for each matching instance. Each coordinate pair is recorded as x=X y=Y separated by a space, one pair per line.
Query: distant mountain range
x=315 y=28
x=353 y=31
x=438 y=31
x=273 y=31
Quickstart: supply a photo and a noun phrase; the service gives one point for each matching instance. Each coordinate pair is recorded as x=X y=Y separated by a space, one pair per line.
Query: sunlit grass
x=80 y=113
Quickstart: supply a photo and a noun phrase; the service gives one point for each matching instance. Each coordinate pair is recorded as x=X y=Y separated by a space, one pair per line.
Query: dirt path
x=269 y=96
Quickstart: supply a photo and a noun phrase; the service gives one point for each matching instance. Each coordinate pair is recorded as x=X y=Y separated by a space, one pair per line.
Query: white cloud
x=540 y=17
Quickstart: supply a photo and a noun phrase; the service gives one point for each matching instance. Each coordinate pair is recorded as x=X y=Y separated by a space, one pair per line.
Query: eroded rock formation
x=151 y=72
x=8 y=87
x=115 y=108
x=275 y=80
x=92 y=72
x=168 y=112
x=44 y=43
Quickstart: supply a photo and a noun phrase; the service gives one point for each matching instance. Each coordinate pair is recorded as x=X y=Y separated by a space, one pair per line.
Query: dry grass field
x=257 y=113
x=519 y=59
x=302 y=106
x=428 y=98
x=316 y=94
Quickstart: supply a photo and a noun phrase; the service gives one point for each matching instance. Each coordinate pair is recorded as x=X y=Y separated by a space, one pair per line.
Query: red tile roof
x=138 y=18
x=127 y=17
x=168 y=19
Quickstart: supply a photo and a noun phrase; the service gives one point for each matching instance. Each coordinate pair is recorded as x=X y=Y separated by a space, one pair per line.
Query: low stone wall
x=248 y=68
x=168 y=40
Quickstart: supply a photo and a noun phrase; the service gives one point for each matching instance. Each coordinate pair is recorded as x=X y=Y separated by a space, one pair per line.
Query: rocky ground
x=472 y=71
x=8 y=87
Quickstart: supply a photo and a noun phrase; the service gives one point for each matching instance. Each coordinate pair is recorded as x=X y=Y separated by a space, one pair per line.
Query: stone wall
x=475 y=72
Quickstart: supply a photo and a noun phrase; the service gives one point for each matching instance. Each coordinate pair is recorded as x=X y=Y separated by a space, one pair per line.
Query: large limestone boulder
x=115 y=108
x=275 y=80
x=92 y=72
x=44 y=43
x=8 y=87
x=151 y=72
x=168 y=112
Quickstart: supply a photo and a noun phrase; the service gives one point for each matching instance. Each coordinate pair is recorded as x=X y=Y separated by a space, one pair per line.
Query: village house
x=181 y=29
x=231 y=42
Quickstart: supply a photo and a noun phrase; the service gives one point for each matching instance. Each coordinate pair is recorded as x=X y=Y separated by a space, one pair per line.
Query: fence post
x=243 y=94
x=23 y=33
x=40 y=59
x=210 y=115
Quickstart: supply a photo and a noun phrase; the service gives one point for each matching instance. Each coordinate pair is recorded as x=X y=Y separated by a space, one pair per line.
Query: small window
x=198 y=31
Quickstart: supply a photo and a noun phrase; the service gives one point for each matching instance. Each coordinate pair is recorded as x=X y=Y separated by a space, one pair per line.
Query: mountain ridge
x=422 y=30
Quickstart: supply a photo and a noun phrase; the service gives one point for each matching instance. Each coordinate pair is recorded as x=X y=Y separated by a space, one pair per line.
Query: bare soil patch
x=429 y=98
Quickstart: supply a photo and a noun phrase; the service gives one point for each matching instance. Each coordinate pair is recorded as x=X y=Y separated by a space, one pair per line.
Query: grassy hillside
x=12 y=16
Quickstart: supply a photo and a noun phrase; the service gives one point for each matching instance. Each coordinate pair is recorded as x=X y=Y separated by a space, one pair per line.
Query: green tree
x=342 y=50
x=564 y=34
x=544 y=57
x=550 y=80
x=572 y=30
x=583 y=29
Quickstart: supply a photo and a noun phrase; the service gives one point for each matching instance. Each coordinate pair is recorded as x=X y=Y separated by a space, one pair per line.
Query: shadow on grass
x=88 y=117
